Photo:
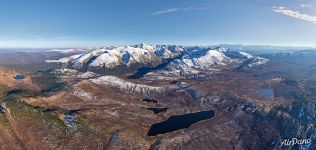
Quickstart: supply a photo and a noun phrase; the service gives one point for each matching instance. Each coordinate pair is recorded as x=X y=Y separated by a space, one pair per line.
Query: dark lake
x=150 y=100
x=266 y=92
x=157 y=110
x=49 y=110
x=179 y=122
x=19 y=77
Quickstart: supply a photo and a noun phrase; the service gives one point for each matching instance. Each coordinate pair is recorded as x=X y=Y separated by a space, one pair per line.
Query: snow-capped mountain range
x=210 y=60
x=180 y=59
x=111 y=57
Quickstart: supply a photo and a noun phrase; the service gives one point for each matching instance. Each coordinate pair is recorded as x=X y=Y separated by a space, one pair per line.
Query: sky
x=86 y=23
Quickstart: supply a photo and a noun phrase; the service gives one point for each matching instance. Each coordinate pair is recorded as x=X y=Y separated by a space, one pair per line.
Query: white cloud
x=165 y=11
x=172 y=10
x=295 y=14
x=194 y=8
x=305 y=5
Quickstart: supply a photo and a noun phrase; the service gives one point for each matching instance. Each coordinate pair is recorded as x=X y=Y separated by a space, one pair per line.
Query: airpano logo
x=295 y=141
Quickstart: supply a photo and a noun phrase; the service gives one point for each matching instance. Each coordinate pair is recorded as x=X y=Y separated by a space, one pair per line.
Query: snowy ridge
x=111 y=57
x=65 y=59
x=256 y=61
x=209 y=61
x=253 y=61
x=74 y=73
x=82 y=93
x=66 y=51
x=123 y=85
x=184 y=60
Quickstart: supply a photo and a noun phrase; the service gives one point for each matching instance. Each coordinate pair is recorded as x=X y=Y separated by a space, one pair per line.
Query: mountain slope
x=179 y=59
x=211 y=60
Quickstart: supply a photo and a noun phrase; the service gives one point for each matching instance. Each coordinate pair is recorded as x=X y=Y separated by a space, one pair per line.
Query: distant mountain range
x=264 y=49
x=176 y=59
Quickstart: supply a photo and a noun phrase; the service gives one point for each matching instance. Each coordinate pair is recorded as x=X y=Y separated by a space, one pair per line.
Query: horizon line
x=119 y=45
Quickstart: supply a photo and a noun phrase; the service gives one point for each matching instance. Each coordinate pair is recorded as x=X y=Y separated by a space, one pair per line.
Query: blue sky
x=84 y=23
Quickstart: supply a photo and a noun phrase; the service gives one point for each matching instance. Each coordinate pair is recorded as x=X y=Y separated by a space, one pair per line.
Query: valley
x=157 y=97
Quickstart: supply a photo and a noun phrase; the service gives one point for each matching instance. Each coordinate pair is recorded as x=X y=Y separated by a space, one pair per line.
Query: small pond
x=19 y=77
x=150 y=100
x=266 y=92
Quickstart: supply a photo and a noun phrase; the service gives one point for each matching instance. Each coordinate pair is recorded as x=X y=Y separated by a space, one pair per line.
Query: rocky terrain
x=158 y=97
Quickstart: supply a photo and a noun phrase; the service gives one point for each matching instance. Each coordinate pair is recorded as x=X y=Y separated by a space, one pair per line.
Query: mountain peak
x=179 y=58
x=143 y=46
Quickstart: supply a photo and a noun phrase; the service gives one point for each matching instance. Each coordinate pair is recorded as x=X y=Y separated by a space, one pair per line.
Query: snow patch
x=115 y=82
